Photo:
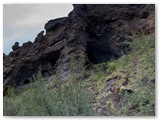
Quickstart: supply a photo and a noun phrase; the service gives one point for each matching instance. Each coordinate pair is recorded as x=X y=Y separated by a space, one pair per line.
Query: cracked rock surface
x=98 y=31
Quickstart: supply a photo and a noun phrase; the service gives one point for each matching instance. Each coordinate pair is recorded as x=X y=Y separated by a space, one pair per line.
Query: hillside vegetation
x=121 y=87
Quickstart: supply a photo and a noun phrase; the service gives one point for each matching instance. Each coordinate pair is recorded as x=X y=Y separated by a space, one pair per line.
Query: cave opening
x=48 y=63
x=96 y=53
x=98 y=48
x=25 y=73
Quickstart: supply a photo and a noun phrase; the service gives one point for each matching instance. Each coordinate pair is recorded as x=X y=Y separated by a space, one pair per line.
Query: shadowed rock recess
x=99 y=31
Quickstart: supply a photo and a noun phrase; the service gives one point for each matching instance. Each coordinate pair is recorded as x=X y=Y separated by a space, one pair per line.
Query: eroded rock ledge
x=96 y=30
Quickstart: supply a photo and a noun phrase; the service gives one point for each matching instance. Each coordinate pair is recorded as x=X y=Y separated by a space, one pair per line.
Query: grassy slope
x=129 y=86
x=121 y=87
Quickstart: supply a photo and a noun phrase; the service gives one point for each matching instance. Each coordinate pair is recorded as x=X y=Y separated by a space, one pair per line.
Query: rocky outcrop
x=98 y=31
x=15 y=46
x=55 y=23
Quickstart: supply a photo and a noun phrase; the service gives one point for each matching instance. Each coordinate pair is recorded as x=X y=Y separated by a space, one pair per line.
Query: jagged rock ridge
x=96 y=30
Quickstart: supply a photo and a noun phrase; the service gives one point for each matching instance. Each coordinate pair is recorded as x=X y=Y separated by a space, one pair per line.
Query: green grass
x=86 y=87
x=140 y=103
x=137 y=67
x=70 y=99
x=55 y=98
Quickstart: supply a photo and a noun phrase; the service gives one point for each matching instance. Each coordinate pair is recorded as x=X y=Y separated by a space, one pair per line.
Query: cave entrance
x=98 y=54
x=98 y=47
x=25 y=73
x=48 y=63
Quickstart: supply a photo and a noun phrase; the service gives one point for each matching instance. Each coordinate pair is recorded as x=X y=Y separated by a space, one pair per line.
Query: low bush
x=69 y=99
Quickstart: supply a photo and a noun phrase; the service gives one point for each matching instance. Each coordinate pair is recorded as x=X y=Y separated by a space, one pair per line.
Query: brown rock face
x=96 y=30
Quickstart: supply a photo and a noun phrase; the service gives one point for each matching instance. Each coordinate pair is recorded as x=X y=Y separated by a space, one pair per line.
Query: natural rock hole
x=46 y=65
x=97 y=55
x=98 y=48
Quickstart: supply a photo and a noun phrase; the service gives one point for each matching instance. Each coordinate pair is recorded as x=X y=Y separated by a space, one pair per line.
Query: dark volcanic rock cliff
x=96 y=30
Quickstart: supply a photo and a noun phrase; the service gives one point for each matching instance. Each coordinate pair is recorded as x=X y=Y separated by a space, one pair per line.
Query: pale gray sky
x=22 y=22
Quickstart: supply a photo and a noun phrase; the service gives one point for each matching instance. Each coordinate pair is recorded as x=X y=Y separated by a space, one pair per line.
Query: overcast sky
x=22 y=23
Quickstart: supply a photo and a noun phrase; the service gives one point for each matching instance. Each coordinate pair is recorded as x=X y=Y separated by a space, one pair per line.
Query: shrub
x=52 y=99
x=140 y=103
